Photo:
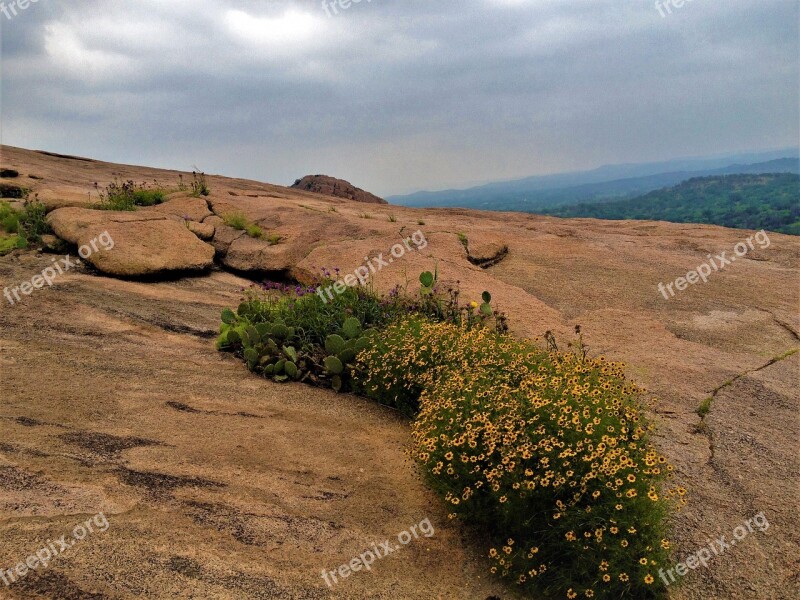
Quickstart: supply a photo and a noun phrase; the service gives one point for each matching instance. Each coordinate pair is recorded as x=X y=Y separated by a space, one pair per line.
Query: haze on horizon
x=399 y=95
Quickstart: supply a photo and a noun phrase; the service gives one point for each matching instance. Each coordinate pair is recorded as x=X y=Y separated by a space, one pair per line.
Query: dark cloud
x=399 y=94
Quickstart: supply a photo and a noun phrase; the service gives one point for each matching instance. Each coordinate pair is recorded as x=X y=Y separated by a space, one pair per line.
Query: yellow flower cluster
x=550 y=448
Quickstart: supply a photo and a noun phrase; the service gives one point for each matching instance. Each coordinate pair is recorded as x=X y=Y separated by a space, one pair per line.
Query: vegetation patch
x=240 y=222
x=20 y=228
x=546 y=452
x=129 y=196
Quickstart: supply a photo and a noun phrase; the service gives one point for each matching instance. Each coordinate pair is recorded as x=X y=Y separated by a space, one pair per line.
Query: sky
x=399 y=95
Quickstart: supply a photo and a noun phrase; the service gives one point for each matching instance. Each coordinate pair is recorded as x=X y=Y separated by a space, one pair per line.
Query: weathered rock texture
x=142 y=244
x=231 y=505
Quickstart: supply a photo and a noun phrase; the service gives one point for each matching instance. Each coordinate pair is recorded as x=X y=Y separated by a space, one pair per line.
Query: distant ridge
x=747 y=201
x=613 y=182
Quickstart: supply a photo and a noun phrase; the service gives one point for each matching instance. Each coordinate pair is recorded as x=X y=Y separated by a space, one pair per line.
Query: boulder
x=132 y=244
x=484 y=250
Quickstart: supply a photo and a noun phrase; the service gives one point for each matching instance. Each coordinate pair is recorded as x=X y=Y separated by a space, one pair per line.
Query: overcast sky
x=399 y=95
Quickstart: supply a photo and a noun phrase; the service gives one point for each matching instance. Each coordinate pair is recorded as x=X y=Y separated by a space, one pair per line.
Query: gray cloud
x=398 y=95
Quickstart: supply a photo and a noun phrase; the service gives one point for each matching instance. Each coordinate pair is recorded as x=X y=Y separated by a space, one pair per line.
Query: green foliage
x=254 y=231
x=128 y=195
x=427 y=279
x=334 y=344
x=274 y=239
x=237 y=220
x=334 y=365
x=33 y=221
x=351 y=328
x=705 y=406
x=291 y=369
x=11 y=242
x=25 y=226
x=768 y=201
x=9 y=218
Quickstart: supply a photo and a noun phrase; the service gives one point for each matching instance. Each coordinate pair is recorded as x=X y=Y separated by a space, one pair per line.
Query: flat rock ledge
x=132 y=244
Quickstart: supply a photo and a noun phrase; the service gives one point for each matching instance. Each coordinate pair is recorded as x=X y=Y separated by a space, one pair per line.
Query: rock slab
x=141 y=244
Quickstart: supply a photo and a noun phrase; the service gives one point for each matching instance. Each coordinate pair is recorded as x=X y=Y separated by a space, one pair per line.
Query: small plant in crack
x=199 y=184
x=705 y=407
x=240 y=222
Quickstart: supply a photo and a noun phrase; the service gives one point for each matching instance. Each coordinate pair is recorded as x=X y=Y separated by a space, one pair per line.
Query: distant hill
x=767 y=201
x=615 y=182
x=338 y=188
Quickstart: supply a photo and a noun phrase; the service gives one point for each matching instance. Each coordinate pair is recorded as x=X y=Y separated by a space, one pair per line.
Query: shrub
x=273 y=239
x=286 y=333
x=9 y=218
x=33 y=221
x=28 y=224
x=546 y=451
x=397 y=379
